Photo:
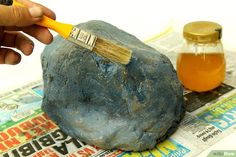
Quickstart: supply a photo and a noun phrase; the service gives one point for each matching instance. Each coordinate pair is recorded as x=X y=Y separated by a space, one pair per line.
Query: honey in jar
x=201 y=62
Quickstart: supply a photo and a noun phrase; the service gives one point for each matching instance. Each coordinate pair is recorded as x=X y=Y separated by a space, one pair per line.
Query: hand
x=13 y=20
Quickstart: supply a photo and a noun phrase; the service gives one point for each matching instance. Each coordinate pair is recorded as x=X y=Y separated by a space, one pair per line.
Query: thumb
x=19 y=16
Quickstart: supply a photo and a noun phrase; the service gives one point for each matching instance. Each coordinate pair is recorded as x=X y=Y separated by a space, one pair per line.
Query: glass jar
x=201 y=61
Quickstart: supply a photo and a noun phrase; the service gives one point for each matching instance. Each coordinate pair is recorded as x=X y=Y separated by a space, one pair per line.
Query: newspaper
x=25 y=130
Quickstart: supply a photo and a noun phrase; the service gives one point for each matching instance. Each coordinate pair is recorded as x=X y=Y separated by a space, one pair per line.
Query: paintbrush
x=101 y=46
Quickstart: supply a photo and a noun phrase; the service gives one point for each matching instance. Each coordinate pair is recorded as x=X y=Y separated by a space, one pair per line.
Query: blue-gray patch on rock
x=109 y=105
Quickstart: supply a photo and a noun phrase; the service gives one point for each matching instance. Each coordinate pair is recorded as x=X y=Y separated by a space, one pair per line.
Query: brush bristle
x=112 y=51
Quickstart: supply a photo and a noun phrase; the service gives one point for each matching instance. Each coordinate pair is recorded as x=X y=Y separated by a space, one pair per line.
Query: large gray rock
x=110 y=105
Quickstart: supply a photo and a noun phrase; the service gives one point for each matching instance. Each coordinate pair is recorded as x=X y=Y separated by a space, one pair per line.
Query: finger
x=19 y=41
x=46 y=10
x=19 y=16
x=40 y=33
x=9 y=56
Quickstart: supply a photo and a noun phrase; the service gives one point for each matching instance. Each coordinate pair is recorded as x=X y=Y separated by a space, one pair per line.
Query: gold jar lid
x=202 y=31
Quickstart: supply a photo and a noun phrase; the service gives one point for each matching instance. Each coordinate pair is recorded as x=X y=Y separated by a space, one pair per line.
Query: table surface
x=141 y=18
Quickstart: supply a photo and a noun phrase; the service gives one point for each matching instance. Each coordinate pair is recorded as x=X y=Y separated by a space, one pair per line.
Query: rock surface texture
x=109 y=105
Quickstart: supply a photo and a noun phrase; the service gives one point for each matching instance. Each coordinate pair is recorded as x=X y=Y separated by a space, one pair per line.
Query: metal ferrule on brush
x=82 y=38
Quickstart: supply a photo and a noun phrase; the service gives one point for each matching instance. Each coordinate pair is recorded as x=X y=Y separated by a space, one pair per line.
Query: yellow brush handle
x=61 y=28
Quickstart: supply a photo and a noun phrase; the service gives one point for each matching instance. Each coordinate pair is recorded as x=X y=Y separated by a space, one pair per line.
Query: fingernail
x=28 y=49
x=12 y=58
x=36 y=12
